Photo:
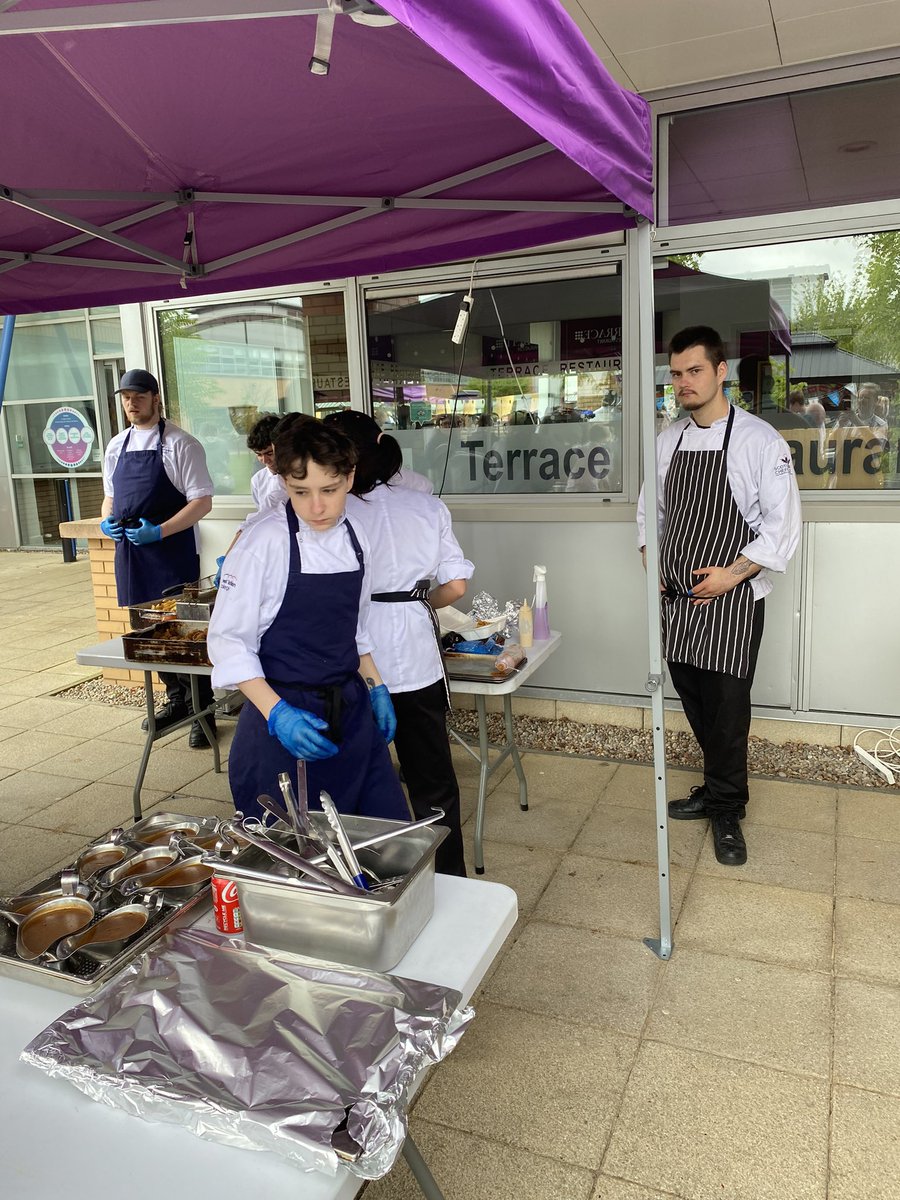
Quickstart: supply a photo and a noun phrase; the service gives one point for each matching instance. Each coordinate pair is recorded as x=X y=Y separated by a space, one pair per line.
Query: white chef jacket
x=762 y=480
x=414 y=481
x=267 y=489
x=411 y=538
x=253 y=583
x=184 y=461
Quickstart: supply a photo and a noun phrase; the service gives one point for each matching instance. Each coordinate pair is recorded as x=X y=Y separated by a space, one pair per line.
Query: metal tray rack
x=191 y=602
x=168 y=642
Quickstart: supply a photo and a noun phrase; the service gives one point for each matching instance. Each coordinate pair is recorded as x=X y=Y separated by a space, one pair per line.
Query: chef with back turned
x=156 y=489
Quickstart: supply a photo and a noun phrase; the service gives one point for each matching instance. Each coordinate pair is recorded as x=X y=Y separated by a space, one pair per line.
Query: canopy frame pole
x=439 y=185
x=23 y=200
x=22 y=257
x=152 y=12
x=640 y=259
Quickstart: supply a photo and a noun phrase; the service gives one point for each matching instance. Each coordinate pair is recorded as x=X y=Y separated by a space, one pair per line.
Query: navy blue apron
x=141 y=488
x=309 y=656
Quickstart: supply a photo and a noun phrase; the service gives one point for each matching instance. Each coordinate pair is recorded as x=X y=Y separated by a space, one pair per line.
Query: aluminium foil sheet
x=258 y=1049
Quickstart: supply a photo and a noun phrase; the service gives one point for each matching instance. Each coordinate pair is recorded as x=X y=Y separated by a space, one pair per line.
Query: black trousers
x=717 y=707
x=178 y=688
x=423 y=749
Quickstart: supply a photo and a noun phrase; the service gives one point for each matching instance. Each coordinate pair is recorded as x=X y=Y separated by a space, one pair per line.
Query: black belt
x=332 y=697
x=419 y=593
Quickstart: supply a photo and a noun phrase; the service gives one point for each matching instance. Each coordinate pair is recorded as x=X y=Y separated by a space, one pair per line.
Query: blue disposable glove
x=298 y=731
x=383 y=708
x=145 y=533
x=112 y=528
x=218 y=578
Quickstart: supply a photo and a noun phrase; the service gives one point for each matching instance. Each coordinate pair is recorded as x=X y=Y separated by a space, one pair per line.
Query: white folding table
x=55 y=1141
x=111 y=656
x=480 y=689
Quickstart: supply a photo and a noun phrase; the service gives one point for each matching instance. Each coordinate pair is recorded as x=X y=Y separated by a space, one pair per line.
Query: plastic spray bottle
x=541 y=613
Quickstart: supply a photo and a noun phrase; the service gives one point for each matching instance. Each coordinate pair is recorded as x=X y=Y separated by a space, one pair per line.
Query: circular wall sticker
x=68 y=437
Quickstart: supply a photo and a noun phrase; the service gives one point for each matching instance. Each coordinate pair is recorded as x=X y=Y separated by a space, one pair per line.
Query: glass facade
x=529 y=403
x=813 y=343
x=58 y=418
x=226 y=364
x=805 y=150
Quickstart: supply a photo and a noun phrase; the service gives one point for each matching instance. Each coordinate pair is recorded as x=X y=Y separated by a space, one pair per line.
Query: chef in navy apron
x=412 y=542
x=289 y=629
x=156 y=488
x=729 y=515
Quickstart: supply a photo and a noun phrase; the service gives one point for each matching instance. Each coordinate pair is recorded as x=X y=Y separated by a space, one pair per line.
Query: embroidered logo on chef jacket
x=784 y=466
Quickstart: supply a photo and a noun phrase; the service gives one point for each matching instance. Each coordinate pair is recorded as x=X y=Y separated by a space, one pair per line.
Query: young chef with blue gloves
x=290 y=630
x=156 y=488
x=412 y=544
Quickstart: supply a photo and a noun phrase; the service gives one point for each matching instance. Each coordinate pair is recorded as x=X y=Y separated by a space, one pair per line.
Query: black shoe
x=171 y=712
x=197 y=740
x=728 y=840
x=693 y=807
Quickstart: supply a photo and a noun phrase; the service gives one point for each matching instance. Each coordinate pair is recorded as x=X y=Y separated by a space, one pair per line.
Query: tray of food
x=80 y=926
x=189 y=602
x=168 y=641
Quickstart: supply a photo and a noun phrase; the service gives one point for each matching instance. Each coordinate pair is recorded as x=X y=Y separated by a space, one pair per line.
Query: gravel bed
x=98 y=691
x=790 y=760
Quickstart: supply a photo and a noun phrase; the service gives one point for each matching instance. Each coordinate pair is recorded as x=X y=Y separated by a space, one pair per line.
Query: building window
x=529 y=403
x=813 y=344
x=224 y=365
x=809 y=149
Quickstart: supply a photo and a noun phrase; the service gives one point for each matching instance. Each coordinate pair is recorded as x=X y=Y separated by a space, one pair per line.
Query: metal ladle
x=115 y=926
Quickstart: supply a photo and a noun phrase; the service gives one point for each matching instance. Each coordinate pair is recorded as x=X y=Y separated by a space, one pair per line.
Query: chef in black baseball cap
x=156 y=488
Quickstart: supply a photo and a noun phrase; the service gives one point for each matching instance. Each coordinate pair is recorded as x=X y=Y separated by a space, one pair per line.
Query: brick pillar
x=112 y=621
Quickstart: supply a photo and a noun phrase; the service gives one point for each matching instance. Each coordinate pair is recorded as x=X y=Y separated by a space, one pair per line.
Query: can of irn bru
x=226 y=909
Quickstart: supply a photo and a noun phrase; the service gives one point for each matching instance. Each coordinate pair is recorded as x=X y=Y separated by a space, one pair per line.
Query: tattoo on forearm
x=742 y=566
x=370 y=682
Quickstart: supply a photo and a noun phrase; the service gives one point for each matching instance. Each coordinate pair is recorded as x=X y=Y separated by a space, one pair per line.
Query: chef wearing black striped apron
x=711 y=647
x=729 y=515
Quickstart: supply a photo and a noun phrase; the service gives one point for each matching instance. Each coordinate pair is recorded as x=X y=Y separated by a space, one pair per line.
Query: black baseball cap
x=137 y=381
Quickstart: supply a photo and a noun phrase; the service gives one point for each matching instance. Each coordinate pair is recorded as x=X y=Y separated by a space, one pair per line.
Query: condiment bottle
x=526 y=625
x=541 y=612
x=509 y=657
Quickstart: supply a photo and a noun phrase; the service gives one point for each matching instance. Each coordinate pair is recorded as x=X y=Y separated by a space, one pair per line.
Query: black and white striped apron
x=704 y=528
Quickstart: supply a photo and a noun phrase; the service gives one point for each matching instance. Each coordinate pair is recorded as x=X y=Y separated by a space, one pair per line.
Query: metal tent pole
x=9 y=324
x=642 y=279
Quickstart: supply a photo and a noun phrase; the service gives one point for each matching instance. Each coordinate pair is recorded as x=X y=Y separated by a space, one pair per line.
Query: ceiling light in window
x=856 y=147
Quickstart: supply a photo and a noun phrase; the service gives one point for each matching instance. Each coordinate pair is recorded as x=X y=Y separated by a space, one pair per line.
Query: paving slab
x=467 y=1167
x=545 y=1086
x=94 y=759
x=705 y=1128
x=629 y=835
x=560 y=776
x=865 y=1149
x=612 y=986
x=24 y=793
x=792 y=805
x=753 y=920
x=788 y=858
x=865 y=868
x=724 y=1006
x=27 y=855
x=866 y=934
x=633 y=785
x=873 y=815
x=92 y=810
x=867 y=1035
x=616 y=897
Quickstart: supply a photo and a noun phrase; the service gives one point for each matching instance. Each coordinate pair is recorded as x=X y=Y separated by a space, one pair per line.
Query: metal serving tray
x=167 y=642
x=369 y=931
x=189 y=602
x=92 y=965
x=88 y=968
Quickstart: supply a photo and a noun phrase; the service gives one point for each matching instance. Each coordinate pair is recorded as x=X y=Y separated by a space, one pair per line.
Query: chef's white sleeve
x=780 y=523
x=453 y=563
x=190 y=465
x=250 y=593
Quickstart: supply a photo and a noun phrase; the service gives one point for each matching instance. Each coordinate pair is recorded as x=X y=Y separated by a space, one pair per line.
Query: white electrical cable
x=885 y=751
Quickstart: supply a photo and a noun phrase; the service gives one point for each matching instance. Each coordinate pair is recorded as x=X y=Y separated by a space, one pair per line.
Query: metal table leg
x=201 y=716
x=483 y=776
x=419 y=1168
x=514 y=752
x=153 y=735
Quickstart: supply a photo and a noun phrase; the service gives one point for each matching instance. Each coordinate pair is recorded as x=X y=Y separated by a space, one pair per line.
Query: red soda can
x=226 y=909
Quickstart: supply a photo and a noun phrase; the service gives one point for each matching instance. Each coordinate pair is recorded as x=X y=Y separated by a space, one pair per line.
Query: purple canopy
x=189 y=150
